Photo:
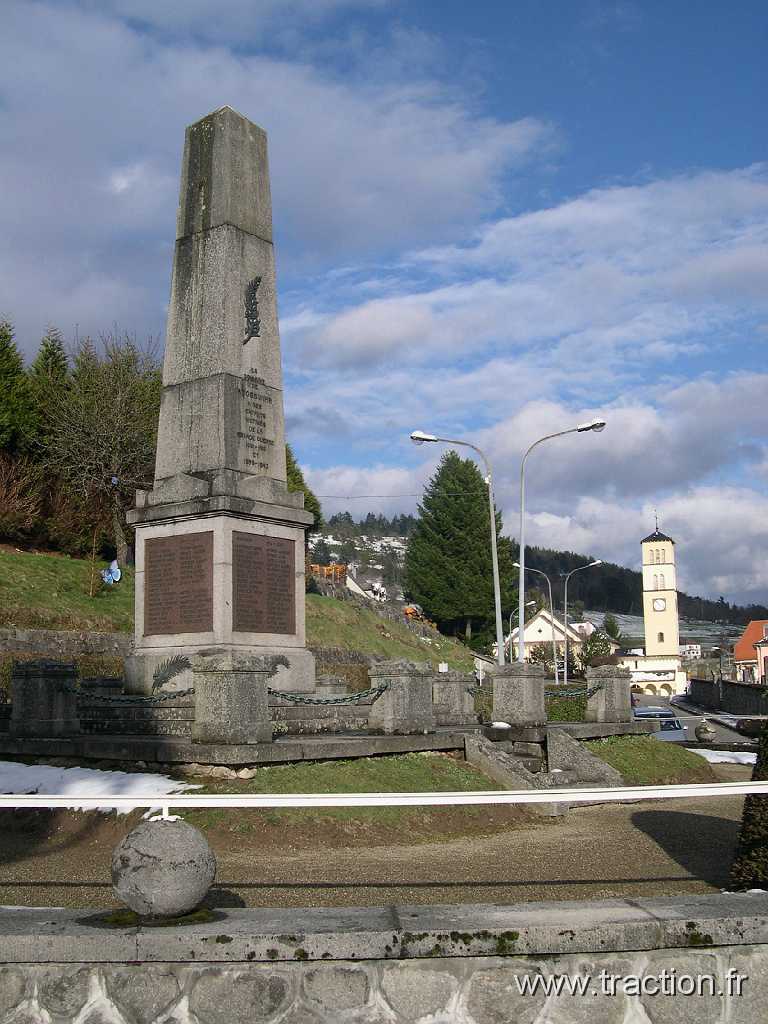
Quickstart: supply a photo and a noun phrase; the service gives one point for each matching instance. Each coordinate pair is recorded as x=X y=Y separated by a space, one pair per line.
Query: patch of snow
x=50 y=781
x=500 y=725
x=725 y=756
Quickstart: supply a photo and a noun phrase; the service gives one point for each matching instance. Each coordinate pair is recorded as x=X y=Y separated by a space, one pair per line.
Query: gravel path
x=613 y=850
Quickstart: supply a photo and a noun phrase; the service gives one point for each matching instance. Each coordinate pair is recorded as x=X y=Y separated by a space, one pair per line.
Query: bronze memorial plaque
x=263 y=584
x=178 y=584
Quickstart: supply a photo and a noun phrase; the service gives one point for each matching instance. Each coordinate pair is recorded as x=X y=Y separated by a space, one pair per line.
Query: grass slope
x=403 y=773
x=332 y=623
x=644 y=761
x=40 y=591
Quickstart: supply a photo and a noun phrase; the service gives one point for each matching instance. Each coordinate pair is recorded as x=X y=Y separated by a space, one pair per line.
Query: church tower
x=660 y=595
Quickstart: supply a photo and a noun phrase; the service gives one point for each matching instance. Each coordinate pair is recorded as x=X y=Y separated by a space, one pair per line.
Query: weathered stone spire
x=221 y=419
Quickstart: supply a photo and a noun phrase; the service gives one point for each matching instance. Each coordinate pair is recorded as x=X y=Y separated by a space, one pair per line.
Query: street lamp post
x=594 y=425
x=598 y=561
x=419 y=437
x=551 y=615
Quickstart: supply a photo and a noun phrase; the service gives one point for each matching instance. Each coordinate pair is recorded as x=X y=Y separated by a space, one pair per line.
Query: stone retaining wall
x=465 y=964
x=737 y=698
x=63 y=644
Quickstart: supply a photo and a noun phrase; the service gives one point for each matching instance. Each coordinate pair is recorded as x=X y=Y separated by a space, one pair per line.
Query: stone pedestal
x=222 y=583
x=406 y=705
x=452 y=703
x=613 y=701
x=231 y=701
x=43 y=705
x=518 y=698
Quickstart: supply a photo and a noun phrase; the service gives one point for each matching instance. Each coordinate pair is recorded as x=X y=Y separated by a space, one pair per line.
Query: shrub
x=750 y=864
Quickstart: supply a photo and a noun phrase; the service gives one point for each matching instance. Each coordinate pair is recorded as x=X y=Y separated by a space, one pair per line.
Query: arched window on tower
x=658 y=556
x=662 y=585
x=661 y=638
x=655 y=582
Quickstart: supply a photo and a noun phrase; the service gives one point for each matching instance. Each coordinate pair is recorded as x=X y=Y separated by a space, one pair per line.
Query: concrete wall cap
x=608 y=672
x=227 y=661
x=43 y=666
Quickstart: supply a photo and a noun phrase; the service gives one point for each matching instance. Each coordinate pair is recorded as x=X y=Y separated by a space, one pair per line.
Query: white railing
x=616 y=794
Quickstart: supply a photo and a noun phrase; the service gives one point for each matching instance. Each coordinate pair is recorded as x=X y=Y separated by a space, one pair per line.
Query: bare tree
x=19 y=495
x=101 y=429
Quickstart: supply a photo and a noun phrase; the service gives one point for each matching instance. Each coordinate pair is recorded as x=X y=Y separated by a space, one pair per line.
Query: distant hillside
x=375 y=546
x=43 y=591
x=612 y=588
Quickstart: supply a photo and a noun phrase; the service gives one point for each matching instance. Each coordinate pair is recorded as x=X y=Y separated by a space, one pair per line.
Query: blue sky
x=492 y=221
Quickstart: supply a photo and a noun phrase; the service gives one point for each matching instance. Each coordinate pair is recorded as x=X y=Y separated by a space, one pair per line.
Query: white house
x=690 y=651
x=538 y=630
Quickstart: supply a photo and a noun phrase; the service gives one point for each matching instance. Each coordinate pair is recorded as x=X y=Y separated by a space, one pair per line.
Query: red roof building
x=745 y=653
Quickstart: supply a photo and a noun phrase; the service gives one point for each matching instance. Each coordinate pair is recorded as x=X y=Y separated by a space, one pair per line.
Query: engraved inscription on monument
x=256 y=438
x=263 y=584
x=178 y=584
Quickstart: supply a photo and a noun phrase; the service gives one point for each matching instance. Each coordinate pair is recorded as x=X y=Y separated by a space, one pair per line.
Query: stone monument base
x=294 y=667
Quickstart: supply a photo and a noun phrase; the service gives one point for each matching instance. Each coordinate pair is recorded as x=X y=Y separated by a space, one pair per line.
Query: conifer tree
x=296 y=482
x=48 y=374
x=16 y=420
x=448 y=560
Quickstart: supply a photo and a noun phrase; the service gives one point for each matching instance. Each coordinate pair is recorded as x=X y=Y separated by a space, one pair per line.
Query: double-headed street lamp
x=551 y=615
x=567 y=576
x=419 y=437
x=595 y=425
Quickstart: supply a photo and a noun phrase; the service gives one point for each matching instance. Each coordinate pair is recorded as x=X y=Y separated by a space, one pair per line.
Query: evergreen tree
x=611 y=627
x=16 y=419
x=448 y=561
x=321 y=553
x=594 y=648
x=750 y=865
x=51 y=362
x=296 y=482
x=48 y=374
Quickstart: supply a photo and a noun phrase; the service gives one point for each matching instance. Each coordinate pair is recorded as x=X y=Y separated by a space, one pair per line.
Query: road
x=722 y=733
x=652 y=848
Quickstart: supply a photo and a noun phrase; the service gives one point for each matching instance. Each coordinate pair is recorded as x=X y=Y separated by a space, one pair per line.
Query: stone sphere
x=163 y=868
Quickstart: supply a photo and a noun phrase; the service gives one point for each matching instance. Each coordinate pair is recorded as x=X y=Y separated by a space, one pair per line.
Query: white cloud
x=357 y=165
x=720 y=533
x=235 y=21
x=394 y=489
x=620 y=275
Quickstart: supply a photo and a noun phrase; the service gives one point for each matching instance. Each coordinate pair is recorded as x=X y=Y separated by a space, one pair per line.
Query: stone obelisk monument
x=219 y=538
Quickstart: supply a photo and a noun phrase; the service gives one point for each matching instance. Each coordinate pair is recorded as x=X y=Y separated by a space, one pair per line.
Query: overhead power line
x=354 y=497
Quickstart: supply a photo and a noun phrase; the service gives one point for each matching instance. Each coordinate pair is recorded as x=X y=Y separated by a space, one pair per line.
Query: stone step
x=562 y=779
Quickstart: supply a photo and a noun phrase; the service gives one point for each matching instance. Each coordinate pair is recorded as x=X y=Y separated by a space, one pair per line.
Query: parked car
x=750 y=726
x=671 y=728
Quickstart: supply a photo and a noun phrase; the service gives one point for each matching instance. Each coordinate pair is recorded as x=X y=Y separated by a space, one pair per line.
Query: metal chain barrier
x=580 y=691
x=350 y=698
x=128 y=699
